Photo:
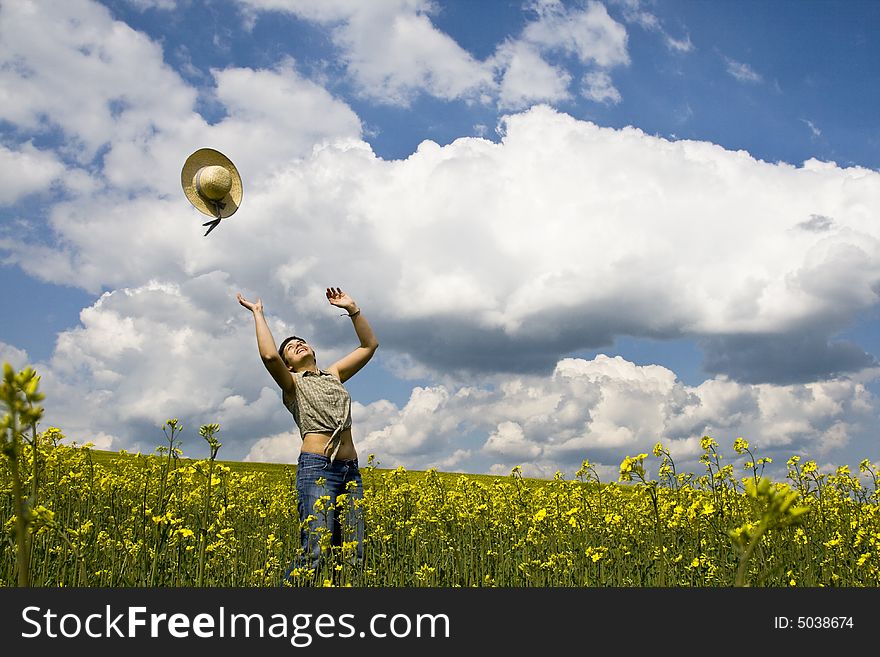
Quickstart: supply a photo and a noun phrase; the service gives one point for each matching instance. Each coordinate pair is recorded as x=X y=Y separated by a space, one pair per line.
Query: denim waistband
x=326 y=459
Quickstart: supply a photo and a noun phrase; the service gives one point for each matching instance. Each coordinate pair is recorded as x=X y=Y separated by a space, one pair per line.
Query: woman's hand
x=339 y=298
x=253 y=306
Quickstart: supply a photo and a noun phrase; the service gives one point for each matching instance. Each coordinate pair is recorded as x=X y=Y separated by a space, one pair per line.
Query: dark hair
x=284 y=344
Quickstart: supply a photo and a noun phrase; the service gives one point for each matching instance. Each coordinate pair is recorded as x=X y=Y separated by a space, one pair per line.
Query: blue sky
x=578 y=228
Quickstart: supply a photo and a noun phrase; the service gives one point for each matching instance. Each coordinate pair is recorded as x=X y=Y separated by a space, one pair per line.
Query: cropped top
x=320 y=404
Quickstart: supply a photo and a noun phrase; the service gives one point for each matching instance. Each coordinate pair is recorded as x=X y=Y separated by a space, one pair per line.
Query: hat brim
x=205 y=157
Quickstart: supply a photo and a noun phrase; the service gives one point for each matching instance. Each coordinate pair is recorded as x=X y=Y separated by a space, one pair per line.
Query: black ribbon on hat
x=217 y=206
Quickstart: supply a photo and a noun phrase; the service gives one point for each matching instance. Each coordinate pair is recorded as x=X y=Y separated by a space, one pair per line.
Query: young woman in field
x=321 y=408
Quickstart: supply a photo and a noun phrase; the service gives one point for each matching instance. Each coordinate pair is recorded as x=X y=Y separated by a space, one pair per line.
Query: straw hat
x=211 y=183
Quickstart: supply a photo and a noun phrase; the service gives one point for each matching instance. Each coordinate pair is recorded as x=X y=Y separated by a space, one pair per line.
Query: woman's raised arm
x=349 y=365
x=266 y=344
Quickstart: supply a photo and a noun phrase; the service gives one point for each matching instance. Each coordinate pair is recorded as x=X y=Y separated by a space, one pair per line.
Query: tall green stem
x=21 y=525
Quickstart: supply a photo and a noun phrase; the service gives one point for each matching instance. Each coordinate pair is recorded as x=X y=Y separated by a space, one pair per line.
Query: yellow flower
x=630 y=465
x=740 y=445
x=834 y=542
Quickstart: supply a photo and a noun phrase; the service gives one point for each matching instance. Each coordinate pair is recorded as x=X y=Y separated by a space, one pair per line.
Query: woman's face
x=298 y=353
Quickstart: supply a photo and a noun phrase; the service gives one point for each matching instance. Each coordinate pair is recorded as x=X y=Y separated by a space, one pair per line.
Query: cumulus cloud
x=145 y=126
x=147 y=354
x=482 y=256
x=415 y=429
x=17 y=358
x=509 y=440
x=603 y=409
x=111 y=78
x=392 y=50
x=587 y=33
x=597 y=86
x=283 y=114
x=146 y=122
x=35 y=171
x=133 y=363
x=485 y=277
x=279 y=448
x=527 y=77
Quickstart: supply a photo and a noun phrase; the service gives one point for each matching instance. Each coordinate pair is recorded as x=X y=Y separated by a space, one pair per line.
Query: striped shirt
x=320 y=404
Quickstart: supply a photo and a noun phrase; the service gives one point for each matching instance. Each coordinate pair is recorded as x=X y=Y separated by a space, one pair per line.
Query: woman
x=321 y=408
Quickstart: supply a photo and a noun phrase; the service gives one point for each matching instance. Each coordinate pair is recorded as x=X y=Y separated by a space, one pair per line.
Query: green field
x=277 y=472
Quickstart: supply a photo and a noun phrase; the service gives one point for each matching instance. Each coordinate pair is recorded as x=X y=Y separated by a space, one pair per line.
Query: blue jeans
x=341 y=524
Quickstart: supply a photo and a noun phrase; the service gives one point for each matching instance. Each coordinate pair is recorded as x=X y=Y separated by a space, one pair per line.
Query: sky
x=577 y=228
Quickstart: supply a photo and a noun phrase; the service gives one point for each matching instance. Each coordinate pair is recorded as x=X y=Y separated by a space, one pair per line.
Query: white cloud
x=413 y=430
x=587 y=33
x=111 y=78
x=478 y=254
x=458 y=458
x=276 y=116
x=35 y=171
x=527 y=78
x=813 y=129
x=741 y=71
x=590 y=33
x=681 y=45
x=634 y=12
x=17 y=358
x=278 y=448
x=475 y=256
x=509 y=440
x=392 y=50
x=143 y=355
x=391 y=57
x=604 y=409
x=597 y=86
x=147 y=120
x=148 y=126
x=104 y=441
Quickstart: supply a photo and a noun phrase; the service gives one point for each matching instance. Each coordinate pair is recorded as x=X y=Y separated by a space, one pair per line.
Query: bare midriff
x=314 y=444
